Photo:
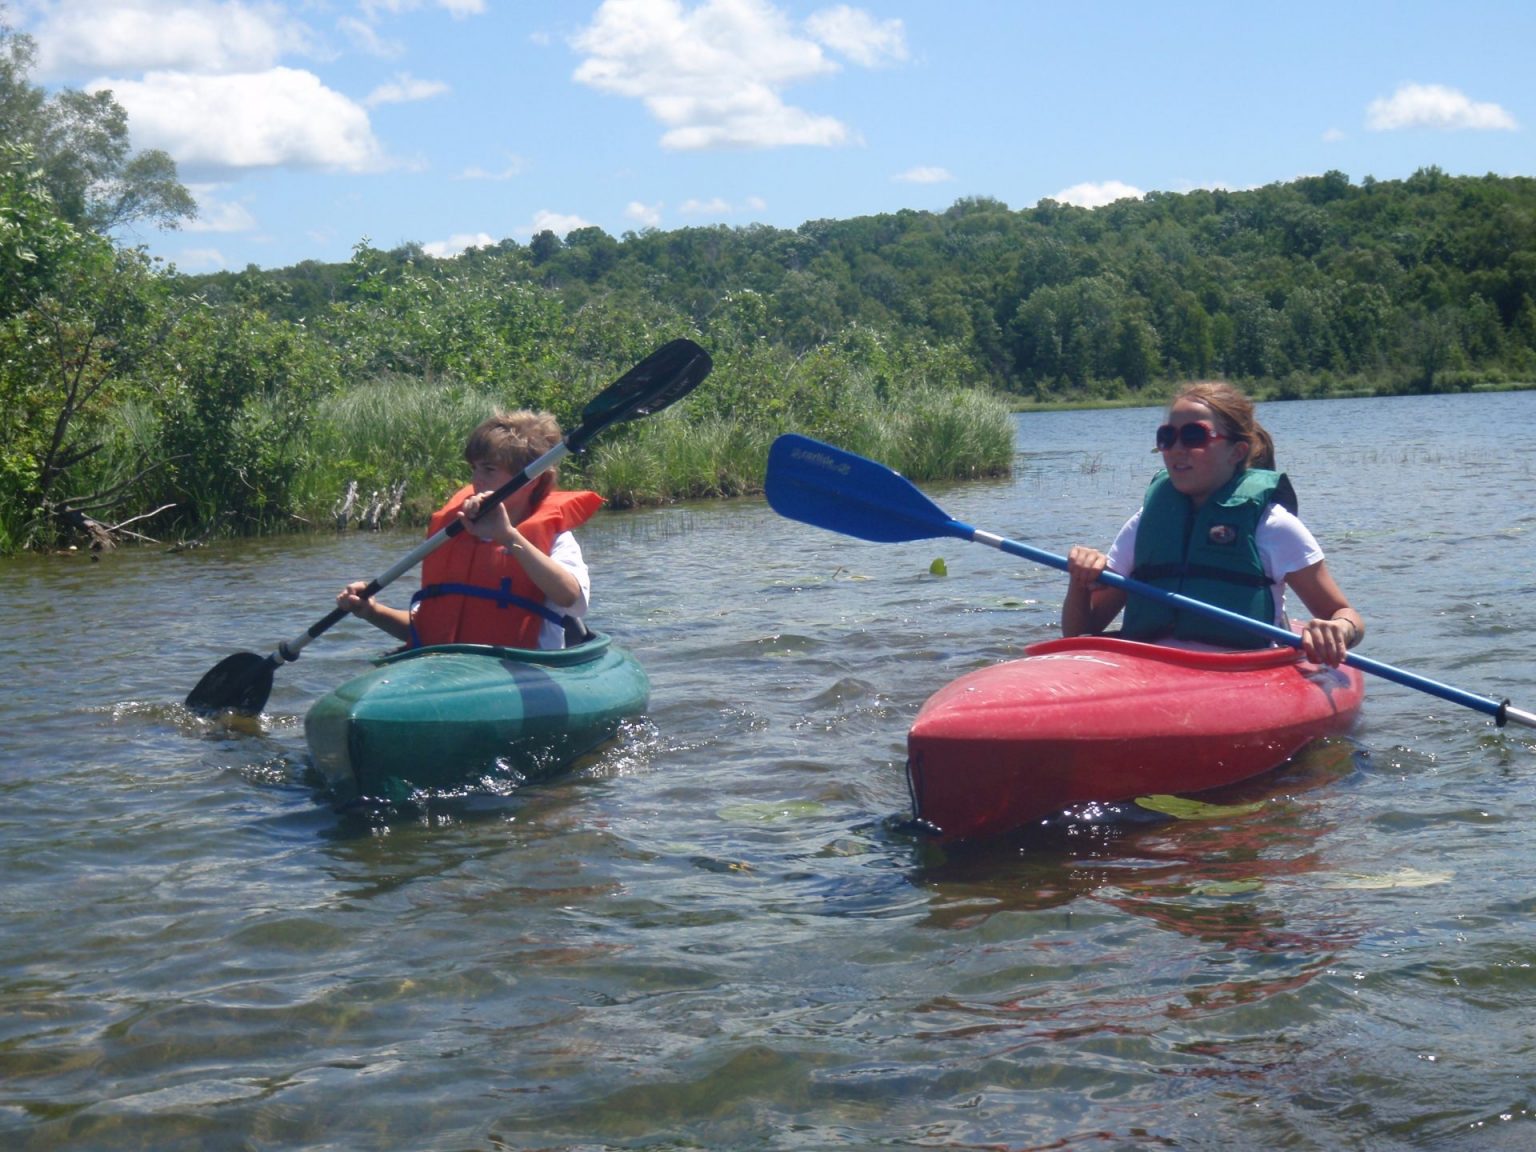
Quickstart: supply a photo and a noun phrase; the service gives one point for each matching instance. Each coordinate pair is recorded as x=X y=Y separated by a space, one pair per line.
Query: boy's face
x=487 y=476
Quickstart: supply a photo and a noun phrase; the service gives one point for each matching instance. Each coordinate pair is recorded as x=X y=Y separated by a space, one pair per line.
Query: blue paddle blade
x=827 y=487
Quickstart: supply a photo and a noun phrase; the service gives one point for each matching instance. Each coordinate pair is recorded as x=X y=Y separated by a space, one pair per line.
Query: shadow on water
x=1227 y=841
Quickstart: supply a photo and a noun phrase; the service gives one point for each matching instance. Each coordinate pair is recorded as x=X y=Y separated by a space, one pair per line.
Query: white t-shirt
x=1285 y=546
x=566 y=552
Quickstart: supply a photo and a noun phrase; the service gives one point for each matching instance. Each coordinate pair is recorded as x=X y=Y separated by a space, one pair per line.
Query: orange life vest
x=474 y=593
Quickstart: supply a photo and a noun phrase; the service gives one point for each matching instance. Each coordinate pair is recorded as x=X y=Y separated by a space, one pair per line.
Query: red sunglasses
x=1195 y=434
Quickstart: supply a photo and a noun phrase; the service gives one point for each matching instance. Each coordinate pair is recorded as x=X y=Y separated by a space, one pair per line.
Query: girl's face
x=1197 y=472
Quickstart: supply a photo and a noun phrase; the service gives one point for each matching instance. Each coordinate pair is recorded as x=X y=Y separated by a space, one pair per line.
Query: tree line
x=138 y=400
x=1310 y=287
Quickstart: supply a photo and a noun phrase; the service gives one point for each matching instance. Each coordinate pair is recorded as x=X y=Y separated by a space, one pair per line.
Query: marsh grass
x=130 y=436
x=671 y=458
x=937 y=434
x=401 y=431
x=393 y=431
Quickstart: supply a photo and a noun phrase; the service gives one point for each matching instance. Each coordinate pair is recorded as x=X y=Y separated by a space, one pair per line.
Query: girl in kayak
x=1218 y=525
x=515 y=576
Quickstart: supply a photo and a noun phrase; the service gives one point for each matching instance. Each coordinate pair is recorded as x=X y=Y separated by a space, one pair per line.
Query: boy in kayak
x=1218 y=525
x=515 y=576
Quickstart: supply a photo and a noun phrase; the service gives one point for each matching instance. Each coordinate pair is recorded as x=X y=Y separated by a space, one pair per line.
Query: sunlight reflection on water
x=716 y=932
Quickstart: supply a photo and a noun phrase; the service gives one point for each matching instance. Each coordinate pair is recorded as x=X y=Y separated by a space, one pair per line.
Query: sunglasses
x=1195 y=434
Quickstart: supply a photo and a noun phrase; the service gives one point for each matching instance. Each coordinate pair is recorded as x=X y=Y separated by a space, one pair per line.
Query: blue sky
x=304 y=128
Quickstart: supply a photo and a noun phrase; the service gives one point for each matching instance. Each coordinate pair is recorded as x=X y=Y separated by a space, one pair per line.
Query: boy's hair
x=513 y=440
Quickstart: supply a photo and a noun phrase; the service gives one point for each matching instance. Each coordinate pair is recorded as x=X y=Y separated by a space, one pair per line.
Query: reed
x=398 y=431
x=673 y=458
x=935 y=433
x=393 y=431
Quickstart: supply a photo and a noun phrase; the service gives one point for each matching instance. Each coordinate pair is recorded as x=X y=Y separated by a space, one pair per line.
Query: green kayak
x=457 y=716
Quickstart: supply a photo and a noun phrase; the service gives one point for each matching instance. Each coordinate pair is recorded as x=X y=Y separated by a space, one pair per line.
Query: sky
x=306 y=128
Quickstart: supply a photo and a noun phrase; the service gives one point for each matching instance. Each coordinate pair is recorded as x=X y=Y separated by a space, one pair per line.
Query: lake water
x=717 y=934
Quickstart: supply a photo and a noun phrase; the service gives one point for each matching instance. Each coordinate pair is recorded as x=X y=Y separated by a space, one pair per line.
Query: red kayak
x=1097 y=719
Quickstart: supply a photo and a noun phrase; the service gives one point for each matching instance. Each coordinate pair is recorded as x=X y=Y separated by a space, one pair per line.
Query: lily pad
x=768 y=812
x=1182 y=809
x=1227 y=887
x=938 y=567
x=1402 y=878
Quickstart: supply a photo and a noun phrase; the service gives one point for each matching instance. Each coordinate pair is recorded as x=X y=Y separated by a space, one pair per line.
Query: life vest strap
x=502 y=597
x=1151 y=572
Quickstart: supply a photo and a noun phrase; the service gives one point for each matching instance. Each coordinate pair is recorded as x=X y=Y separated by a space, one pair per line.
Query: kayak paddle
x=825 y=486
x=243 y=682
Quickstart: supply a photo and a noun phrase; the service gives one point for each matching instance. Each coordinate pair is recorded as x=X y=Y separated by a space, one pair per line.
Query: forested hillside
x=138 y=402
x=1306 y=288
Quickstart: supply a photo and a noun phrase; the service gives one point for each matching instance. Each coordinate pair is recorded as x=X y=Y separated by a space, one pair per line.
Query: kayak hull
x=449 y=717
x=1097 y=719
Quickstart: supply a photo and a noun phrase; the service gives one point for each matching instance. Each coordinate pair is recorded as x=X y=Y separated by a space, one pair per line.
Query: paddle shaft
x=1500 y=710
x=289 y=650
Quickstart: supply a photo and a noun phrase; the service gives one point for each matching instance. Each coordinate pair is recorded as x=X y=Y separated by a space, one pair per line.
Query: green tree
x=234 y=392
x=81 y=143
x=76 y=317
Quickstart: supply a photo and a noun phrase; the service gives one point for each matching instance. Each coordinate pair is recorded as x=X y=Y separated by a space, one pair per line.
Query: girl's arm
x=1335 y=627
x=1089 y=607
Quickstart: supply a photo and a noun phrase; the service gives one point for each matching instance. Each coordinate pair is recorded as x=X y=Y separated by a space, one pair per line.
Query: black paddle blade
x=660 y=380
x=238 y=683
x=827 y=487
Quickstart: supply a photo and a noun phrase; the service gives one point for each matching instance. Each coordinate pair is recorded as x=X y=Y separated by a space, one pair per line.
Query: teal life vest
x=1211 y=554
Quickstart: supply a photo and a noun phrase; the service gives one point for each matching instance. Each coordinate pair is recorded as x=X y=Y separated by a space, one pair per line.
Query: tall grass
x=934 y=434
x=400 y=430
x=671 y=458
x=391 y=431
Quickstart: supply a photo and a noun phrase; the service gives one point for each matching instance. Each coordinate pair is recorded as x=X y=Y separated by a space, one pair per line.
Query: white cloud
x=458 y=9
x=405 y=89
x=1090 y=195
x=715 y=75
x=923 y=175
x=278 y=118
x=858 y=35
x=90 y=37
x=646 y=215
x=216 y=215
x=720 y=206
x=560 y=224
x=457 y=243
x=200 y=260
x=1334 y=136
x=1435 y=106
x=367 y=39
x=516 y=166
